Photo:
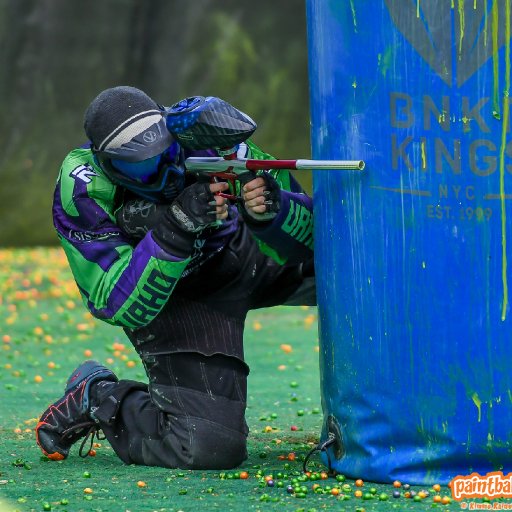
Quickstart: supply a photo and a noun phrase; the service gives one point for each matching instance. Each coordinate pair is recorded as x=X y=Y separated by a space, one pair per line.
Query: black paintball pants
x=191 y=415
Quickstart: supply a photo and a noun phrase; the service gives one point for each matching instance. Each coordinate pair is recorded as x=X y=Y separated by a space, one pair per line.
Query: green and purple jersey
x=127 y=283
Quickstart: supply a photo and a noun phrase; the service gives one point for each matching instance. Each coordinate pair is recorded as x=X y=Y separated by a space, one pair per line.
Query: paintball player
x=163 y=254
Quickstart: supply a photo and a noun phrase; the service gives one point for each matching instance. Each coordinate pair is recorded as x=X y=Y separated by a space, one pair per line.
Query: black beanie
x=124 y=122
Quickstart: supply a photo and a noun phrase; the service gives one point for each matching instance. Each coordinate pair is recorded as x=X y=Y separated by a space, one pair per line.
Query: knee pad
x=214 y=446
x=203 y=432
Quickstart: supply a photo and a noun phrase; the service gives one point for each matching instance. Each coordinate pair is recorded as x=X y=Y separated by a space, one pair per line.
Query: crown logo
x=456 y=38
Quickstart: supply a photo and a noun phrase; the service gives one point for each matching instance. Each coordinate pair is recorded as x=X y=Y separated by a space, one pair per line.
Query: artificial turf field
x=46 y=332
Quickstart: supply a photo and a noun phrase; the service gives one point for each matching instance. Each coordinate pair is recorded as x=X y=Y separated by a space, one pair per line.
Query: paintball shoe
x=69 y=418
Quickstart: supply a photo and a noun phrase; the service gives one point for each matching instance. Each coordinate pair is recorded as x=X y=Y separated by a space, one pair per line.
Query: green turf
x=45 y=332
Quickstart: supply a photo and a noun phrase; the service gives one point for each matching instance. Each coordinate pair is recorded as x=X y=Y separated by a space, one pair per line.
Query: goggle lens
x=141 y=171
x=145 y=170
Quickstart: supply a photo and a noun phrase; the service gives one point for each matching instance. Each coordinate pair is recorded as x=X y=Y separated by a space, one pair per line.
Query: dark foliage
x=56 y=55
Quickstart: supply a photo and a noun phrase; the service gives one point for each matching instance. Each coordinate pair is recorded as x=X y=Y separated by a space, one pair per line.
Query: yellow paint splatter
x=423 y=155
x=462 y=23
x=506 y=108
x=417 y=8
x=478 y=403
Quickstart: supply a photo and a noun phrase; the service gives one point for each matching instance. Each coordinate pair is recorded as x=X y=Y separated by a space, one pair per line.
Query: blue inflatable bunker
x=413 y=253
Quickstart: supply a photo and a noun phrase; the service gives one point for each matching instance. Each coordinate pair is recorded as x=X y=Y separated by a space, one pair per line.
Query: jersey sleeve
x=289 y=236
x=119 y=283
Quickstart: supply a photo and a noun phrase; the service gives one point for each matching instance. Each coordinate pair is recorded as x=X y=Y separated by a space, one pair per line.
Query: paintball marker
x=214 y=165
x=232 y=169
x=199 y=122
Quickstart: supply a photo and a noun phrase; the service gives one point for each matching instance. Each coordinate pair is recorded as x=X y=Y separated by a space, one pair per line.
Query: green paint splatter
x=354 y=19
x=506 y=109
x=478 y=403
x=385 y=61
x=462 y=24
x=495 y=60
x=485 y=22
x=417 y=8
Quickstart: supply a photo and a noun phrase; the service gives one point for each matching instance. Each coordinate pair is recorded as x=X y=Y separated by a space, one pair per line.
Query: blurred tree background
x=57 y=55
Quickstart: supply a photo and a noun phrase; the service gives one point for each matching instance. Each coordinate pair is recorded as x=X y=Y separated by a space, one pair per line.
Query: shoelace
x=92 y=433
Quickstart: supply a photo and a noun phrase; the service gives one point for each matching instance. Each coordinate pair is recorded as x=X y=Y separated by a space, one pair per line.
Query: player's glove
x=195 y=209
x=138 y=216
x=272 y=201
x=176 y=226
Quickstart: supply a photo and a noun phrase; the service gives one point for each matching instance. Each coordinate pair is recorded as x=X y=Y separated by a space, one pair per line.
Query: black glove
x=174 y=227
x=195 y=208
x=138 y=216
x=193 y=211
x=272 y=198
